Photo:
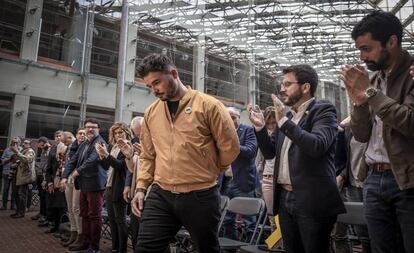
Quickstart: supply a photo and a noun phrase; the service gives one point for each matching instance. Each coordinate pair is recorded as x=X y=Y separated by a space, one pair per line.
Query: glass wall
x=6 y=104
x=11 y=24
x=47 y=116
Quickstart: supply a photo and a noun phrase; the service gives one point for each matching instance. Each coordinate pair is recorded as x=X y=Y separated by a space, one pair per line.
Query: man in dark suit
x=90 y=177
x=306 y=196
x=243 y=172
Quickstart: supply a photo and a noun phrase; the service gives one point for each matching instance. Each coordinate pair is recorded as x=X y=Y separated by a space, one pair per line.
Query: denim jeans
x=230 y=228
x=303 y=234
x=165 y=212
x=390 y=214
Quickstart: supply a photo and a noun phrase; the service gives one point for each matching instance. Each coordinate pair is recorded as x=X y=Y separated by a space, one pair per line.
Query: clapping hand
x=137 y=148
x=356 y=81
x=101 y=150
x=279 y=108
x=126 y=147
x=256 y=116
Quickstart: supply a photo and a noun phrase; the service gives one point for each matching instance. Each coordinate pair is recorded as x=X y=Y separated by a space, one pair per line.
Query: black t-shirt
x=173 y=107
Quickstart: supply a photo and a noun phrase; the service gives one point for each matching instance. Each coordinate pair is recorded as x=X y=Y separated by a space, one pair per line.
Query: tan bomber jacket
x=189 y=153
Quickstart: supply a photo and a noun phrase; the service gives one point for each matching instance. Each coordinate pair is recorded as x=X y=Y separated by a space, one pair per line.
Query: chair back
x=354 y=214
x=246 y=206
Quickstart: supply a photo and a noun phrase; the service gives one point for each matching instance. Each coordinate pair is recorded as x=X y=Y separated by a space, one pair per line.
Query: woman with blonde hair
x=114 y=161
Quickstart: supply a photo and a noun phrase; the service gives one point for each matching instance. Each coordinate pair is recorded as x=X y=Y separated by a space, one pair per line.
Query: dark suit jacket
x=86 y=161
x=311 y=160
x=244 y=167
x=119 y=174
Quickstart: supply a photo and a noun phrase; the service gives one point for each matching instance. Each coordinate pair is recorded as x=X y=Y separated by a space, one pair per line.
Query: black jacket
x=118 y=174
x=311 y=160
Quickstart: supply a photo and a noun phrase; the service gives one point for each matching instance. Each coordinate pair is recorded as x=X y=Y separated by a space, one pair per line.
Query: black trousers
x=117 y=222
x=134 y=227
x=166 y=212
x=303 y=234
x=42 y=195
x=22 y=198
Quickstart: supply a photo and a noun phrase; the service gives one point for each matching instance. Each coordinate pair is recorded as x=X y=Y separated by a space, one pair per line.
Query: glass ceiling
x=271 y=34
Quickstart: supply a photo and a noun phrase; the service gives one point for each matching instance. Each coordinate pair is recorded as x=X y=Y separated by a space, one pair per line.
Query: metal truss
x=269 y=33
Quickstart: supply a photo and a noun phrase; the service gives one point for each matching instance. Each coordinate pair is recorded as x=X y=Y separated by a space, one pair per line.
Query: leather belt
x=380 y=167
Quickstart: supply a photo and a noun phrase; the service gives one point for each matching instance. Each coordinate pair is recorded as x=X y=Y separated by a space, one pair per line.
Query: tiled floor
x=23 y=235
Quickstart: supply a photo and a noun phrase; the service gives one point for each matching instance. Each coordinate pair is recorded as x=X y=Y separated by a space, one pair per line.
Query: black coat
x=119 y=174
x=57 y=198
x=311 y=160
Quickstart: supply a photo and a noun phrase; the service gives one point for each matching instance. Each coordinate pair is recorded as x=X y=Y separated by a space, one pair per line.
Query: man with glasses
x=90 y=177
x=305 y=193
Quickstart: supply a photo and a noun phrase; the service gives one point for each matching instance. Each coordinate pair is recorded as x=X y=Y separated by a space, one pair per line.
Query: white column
x=31 y=30
x=199 y=64
x=19 y=116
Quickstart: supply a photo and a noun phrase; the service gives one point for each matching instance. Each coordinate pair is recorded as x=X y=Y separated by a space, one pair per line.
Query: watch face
x=371 y=92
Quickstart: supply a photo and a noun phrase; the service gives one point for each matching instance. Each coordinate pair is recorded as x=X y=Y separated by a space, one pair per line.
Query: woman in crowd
x=114 y=161
x=265 y=167
x=56 y=198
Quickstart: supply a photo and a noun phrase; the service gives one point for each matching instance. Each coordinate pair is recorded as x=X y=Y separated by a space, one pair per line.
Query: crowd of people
x=168 y=169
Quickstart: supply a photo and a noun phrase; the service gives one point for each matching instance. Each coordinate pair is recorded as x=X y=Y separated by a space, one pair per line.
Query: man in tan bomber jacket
x=188 y=139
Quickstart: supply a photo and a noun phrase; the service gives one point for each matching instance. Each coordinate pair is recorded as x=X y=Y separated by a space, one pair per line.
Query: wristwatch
x=370 y=92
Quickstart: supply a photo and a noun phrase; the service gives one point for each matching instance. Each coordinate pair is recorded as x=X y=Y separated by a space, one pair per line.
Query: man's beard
x=294 y=98
x=382 y=61
x=170 y=93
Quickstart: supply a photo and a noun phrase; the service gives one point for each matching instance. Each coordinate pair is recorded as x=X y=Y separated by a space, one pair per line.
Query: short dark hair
x=304 y=74
x=43 y=139
x=93 y=121
x=79 y=129
x=58 y=132
x=154 y=63
x=382 y=25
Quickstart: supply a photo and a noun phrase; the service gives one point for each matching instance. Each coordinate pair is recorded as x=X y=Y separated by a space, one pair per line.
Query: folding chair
x=243 y=206
x=354 y=216
x=276 y=235
x=106 y=230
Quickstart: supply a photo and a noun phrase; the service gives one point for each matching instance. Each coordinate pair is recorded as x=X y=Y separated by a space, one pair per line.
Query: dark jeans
x=7 y=183
x=29 y=196
x=230 y=228
x=117 y=222
x=22 y=198
x=389 y=212
x=303 y=233
x=42 y=195
x=165 y=212
x=90 y=204
x=134 y=226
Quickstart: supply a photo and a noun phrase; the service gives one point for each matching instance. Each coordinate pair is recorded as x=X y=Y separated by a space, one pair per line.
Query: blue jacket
x=311 y=160
x=86 y=161
x=244 y=167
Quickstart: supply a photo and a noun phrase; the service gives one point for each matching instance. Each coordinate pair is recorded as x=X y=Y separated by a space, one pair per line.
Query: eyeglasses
x=288 y=83
x=91 y=127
